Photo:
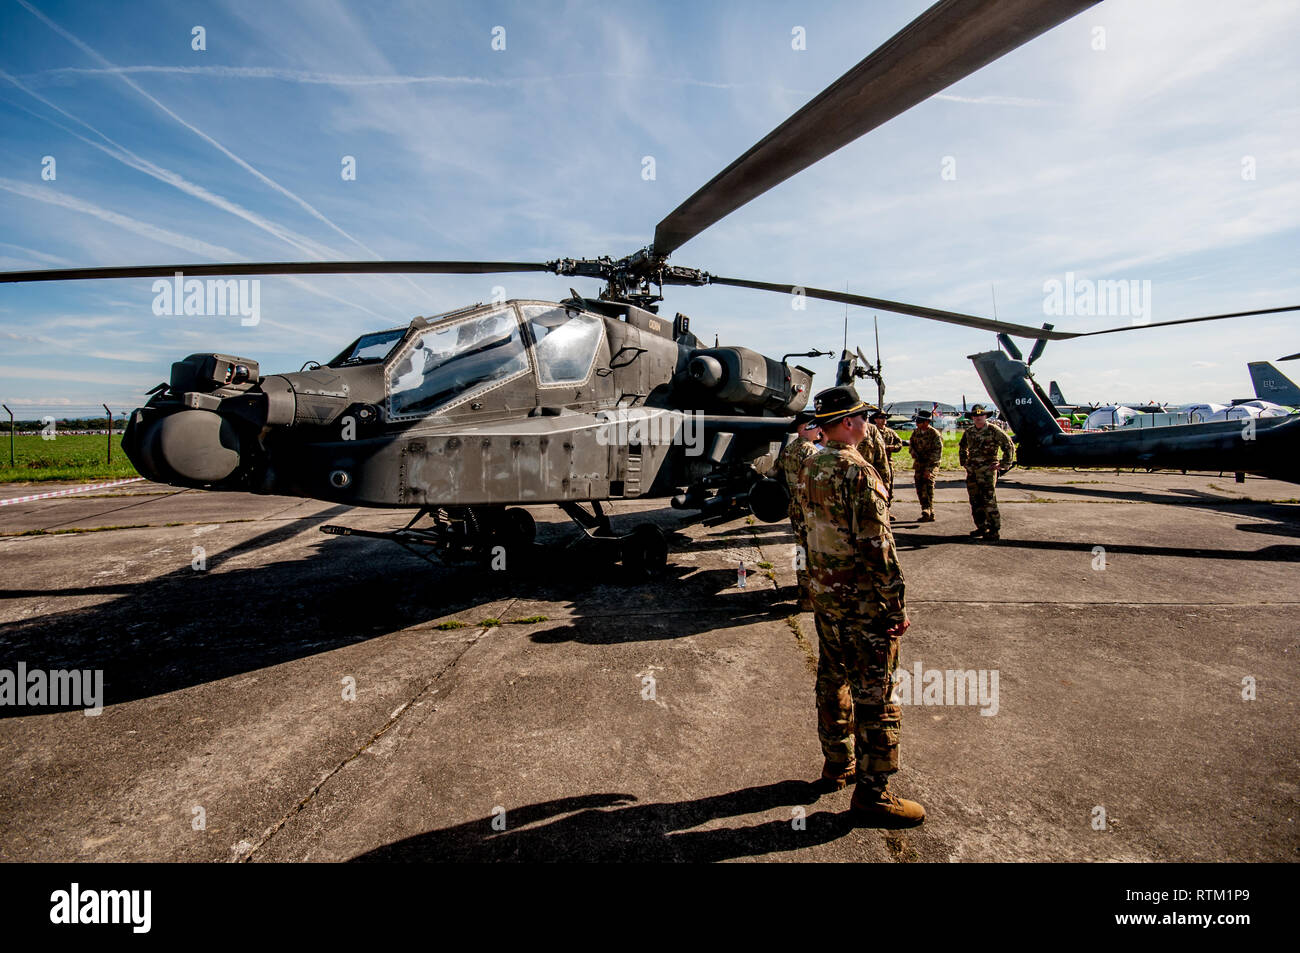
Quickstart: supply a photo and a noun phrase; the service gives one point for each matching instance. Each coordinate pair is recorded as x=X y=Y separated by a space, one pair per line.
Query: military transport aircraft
x=465 y=416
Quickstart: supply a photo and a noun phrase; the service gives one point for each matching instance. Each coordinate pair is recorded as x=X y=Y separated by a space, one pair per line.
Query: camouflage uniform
x=857 y=590
x=978 y=453
x=788 y=464
x=893 y=443
x=873 y=450
x=926 y=447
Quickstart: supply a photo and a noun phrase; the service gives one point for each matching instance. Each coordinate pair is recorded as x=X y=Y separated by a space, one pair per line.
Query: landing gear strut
x=457 y=534
x=644 y=551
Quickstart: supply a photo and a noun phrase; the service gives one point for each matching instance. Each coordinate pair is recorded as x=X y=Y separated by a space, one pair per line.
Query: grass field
x=66 y=457
x=903 y=459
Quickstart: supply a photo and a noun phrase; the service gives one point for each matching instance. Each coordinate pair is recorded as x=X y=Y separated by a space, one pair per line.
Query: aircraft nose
x=194 y=445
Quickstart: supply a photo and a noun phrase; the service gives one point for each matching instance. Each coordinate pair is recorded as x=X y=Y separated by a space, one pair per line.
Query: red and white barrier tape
x=70 y=490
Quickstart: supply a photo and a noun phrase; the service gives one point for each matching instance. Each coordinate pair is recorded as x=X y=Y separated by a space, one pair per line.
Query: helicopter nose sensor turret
x=199 y=437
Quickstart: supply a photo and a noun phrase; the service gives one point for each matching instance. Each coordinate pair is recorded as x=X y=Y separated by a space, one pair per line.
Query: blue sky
x=1122 y=163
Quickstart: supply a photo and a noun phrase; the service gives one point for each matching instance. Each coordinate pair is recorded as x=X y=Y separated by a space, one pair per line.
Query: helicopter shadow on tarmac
x=612 y=827
x=709 y=599
x=186 y=628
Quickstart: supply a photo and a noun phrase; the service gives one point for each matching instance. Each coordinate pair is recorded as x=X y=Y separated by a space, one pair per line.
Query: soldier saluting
x=788 y=464
x=926 y=447
x=978 y=453
x=857 y=591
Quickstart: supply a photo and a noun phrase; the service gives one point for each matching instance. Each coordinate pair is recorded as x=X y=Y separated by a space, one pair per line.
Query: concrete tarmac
x=1130 y=650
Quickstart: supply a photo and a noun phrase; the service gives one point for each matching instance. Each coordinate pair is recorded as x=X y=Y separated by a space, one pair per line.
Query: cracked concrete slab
x=307 y=697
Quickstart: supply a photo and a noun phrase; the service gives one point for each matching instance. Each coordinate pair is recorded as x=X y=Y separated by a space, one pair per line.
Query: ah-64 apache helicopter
x=468 y=415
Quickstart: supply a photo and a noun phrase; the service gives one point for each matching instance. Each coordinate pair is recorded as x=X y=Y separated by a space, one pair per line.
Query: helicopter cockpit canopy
x=565 y=342
x=456 y=360
x=369 y=348
x=465 y=355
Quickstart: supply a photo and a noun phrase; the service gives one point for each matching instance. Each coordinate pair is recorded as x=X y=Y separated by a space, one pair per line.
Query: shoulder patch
x=874 y=483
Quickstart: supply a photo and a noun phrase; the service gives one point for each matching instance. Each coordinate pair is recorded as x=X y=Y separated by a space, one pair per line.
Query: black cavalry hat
x=835 y=403
x=979 y=410
x=924 y=415
x=801 y=419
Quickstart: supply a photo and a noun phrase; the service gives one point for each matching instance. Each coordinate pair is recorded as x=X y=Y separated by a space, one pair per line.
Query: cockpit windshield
x=566 y=341
x=450 y=361
x=369 y=348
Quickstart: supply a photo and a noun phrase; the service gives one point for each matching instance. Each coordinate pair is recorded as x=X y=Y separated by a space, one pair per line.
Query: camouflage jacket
x=852 y=563
x=926 y=447
x=788 y=464
x=872 y=449
x=979 y=449
x=893 y=443
x=790 y=461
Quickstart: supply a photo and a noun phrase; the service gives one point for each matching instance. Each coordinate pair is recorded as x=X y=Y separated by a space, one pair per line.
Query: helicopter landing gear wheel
x=645 y=551
x=518 y=525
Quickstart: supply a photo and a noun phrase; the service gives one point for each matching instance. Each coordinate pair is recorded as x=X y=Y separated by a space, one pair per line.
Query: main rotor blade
x=948 y=42
x=899 y=307
x=1211 y=317
x=974 y=321
x=280 y=268
x=1290 y=357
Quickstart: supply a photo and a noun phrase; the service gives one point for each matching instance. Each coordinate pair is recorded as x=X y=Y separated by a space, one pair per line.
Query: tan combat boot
x=882 y=809
x=837 y=774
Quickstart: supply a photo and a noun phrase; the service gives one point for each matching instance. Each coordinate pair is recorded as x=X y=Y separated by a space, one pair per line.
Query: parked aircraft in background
x=1272 y=385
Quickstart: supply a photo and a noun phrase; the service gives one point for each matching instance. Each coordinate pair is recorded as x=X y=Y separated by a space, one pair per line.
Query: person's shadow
x=612 y=827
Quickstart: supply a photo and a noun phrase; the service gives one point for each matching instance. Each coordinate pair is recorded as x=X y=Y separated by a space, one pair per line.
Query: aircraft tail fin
x=1054 y=392
x=1026 y=408
x=1272 y=384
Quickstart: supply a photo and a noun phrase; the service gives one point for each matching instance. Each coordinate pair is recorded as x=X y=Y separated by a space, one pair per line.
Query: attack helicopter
x=467 y=416
x=1267 y=446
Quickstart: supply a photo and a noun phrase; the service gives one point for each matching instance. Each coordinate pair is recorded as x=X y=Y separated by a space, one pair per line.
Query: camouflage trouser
x=855 y=679
x=981 y=486
x=801 y=551
x=925 y=489
x=889 y=484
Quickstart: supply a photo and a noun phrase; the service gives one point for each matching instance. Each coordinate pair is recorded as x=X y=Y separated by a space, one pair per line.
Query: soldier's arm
x=875 y=545
x=961 y=449
x=1008 y=450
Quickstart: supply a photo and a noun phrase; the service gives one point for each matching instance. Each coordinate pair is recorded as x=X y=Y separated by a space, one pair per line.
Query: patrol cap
x=924 y=415
x=979 y=411
x=835 y=403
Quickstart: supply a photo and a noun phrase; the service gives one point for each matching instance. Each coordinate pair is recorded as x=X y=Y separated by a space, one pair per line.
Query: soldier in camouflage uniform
x=872 y=448
x=926 y=447
x=788 y=464
x=893 y=443
x=978 y=453
x=857 y=589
